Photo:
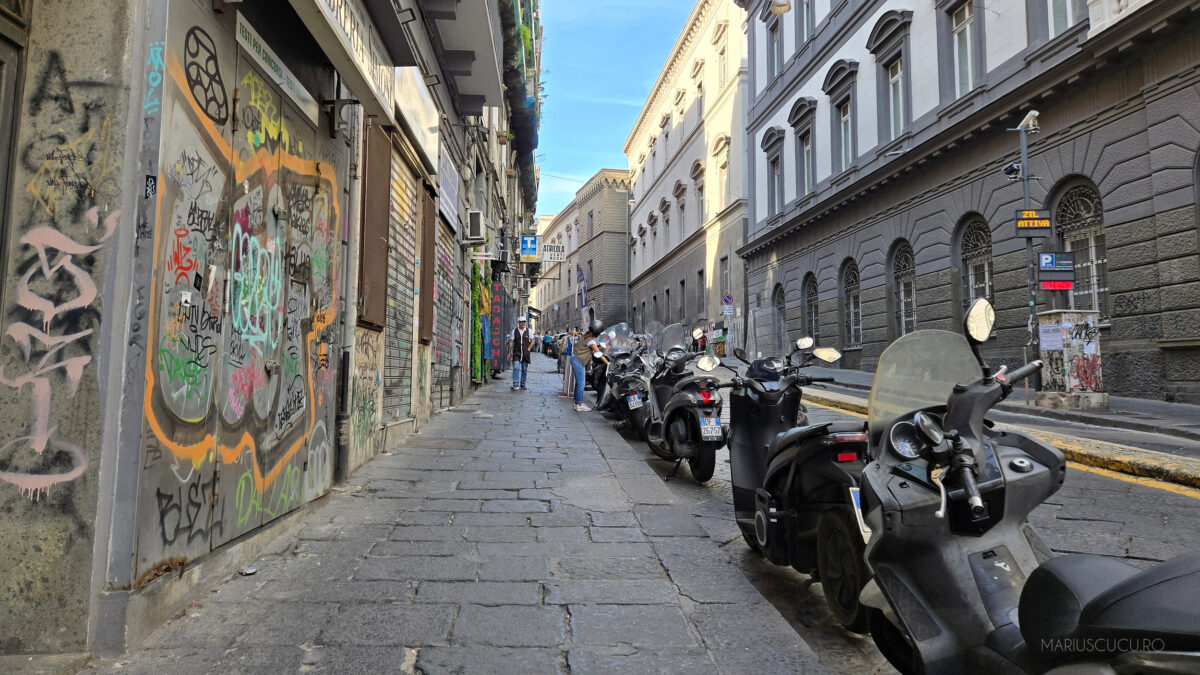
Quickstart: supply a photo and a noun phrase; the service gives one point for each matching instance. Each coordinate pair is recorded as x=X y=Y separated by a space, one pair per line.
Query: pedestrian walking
x=519 y=344
x=568 y=344
x=585 y=350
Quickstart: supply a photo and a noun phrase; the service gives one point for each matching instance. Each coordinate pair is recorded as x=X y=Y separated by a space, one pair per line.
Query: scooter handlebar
x=1023 y=372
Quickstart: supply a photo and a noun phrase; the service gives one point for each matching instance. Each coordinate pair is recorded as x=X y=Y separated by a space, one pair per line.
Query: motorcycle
x=962 y=582
x=795 y=484
x=616 y=342
x=684 y=420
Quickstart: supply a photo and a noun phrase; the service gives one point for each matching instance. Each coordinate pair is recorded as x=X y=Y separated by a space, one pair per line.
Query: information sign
x=1033 y=223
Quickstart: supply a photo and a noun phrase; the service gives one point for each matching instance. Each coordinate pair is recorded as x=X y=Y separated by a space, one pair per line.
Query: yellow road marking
x=1136 y=480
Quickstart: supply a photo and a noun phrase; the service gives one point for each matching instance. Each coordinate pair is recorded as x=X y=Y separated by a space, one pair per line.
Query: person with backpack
x=519 y=344
x=585 y=350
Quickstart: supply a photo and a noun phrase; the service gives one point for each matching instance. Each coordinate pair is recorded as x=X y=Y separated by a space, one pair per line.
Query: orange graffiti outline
x=197 y=452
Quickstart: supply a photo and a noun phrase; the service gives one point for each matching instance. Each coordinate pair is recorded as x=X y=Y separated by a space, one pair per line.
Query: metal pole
x=1032 y=344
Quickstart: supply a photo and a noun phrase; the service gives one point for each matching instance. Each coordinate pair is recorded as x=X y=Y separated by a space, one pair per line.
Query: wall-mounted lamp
x=432 y=80
x=406 y=15
x=781 y=6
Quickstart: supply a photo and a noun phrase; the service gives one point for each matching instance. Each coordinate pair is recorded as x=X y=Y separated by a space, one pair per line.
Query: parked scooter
x=631 y=387
x=617 y=343
x=962 y=583
x=684 y=420
x=794 y=484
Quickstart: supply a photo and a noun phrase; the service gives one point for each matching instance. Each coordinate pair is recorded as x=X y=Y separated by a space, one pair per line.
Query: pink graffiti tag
x=43 y=239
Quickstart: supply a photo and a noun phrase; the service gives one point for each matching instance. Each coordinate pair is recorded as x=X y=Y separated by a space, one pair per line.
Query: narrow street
x=516 y=535
x=511 y=535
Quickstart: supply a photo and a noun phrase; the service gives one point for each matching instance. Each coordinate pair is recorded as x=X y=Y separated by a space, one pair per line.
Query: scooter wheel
x=841 y=567
x=749 y=536
x=703 y=465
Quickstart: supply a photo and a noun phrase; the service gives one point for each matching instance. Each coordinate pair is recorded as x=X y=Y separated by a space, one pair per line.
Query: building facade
x=594 y=229
x=877 y=134
x=686 y=157
x=233 y=252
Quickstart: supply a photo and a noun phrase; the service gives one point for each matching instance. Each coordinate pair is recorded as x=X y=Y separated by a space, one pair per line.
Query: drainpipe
x=350 y=296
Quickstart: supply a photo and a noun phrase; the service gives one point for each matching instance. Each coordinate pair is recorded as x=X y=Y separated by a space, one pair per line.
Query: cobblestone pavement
x=516 y=535
x=512 y=535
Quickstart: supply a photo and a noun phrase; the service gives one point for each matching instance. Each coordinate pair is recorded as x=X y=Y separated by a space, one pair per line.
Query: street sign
x=554 y=253
x=1031 y=223
x=727 y=299
x=727 y=310
x=1056 y=268
x=529 y=245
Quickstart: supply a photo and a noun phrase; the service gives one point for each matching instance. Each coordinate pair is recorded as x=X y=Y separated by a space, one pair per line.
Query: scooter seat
x=1072 y=599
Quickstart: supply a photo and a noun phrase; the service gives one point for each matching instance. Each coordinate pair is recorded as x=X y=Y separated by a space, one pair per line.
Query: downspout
x=350 y=295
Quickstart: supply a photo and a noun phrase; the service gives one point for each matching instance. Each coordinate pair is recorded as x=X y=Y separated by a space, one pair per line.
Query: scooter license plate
x=634 y=401
x=856 y=501
x=710 y=428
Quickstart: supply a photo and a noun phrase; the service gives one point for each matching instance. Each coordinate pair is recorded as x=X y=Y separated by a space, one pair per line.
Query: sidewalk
x=512 y=535
x=1134 y=414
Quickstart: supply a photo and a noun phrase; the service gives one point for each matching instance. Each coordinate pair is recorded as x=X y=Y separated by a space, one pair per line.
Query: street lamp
x=781 y=6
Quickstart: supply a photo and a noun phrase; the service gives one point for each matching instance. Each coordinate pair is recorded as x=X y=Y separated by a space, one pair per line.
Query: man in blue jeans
x=519 y=345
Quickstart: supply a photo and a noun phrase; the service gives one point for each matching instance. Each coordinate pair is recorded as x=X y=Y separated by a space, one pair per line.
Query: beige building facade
x=686 y=160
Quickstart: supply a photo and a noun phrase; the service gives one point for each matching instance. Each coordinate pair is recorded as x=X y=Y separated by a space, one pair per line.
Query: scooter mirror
x=697 y=333
x=708 y=362
x=741 y=355
x=804 y=343
x=981 y=317
x=827 y=354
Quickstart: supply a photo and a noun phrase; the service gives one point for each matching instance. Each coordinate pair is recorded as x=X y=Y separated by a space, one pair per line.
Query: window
x=804 y=21
x=682 y=301
x=722 y=68
x=723 y=270
x=700 y=293
x=846 y=135
x=976 y=255
x=591 y=226
x=851 y=305
x=723 y=183
x=700 y=203
x=775 y=53
x=904 y=278
x=964 y=46
x=811 y=306
x=1079 y=217
x=699 y=103
x=807 y=168
x=590 y=279
x=1064 y=14
x=642 y=314
x=896 y=96
x=667 y=306
x=654 y=302
x=775 y=186
x=681 y=209
x=780 y=305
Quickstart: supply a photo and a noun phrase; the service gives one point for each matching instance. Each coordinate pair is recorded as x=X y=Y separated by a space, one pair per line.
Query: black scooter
x=684 y=420
x=794 y=484
x=962 y=583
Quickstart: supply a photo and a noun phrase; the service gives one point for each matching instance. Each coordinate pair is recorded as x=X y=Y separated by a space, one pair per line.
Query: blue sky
x=599 y=60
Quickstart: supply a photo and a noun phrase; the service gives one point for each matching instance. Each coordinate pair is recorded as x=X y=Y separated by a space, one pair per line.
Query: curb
x=1100 y=454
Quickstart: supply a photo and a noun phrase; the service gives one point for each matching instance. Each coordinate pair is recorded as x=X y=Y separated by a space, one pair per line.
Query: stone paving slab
x=536 y=540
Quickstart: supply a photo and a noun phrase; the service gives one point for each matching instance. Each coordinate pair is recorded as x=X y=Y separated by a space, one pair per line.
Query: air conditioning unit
x=475 y=228
x=525 y=287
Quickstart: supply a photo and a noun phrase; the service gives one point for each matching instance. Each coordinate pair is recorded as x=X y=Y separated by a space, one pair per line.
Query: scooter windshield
x=617 y=336
x=674 y=336
x=917 y=371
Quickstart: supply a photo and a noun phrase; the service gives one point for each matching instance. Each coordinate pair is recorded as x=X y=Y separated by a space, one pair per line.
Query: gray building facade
x=879 y=203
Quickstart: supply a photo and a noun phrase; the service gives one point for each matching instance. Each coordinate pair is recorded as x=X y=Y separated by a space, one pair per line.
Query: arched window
x=780 y=304
x=975 y=253
x=811 y=307
x=904 y=285
x=851 y=305
x=1079 y=218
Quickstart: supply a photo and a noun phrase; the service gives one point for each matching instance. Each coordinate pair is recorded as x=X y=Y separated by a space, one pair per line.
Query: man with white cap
x=519 y=345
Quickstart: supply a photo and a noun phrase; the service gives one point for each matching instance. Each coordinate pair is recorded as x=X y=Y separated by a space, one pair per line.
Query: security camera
x=1030 y=123
x=1013 y=171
